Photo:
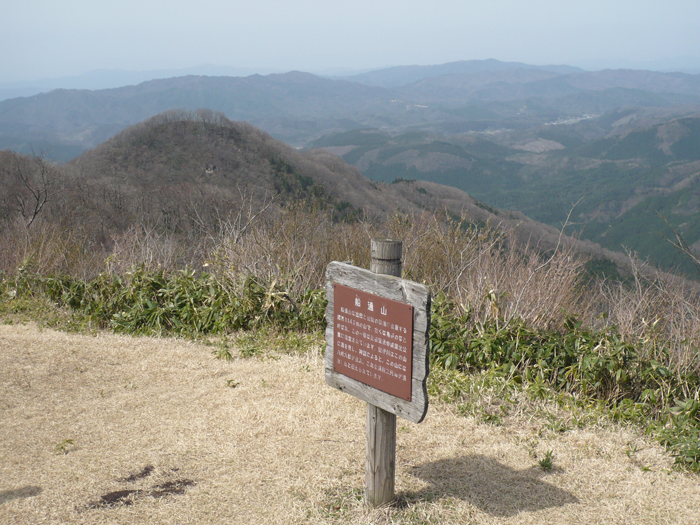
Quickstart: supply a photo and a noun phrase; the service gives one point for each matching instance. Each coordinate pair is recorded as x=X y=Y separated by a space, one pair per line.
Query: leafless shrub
x=138 y=246
x=292 y=246
x=484 y=269
x=49 y=248
x=660 y=309
x=27 y=184
x=145 y=246
x=488 y=272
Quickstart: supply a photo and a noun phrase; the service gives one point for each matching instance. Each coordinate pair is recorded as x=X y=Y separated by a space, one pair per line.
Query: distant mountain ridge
x=84 y=118
x=403 y=75
x=114 y=78
x=299 y=107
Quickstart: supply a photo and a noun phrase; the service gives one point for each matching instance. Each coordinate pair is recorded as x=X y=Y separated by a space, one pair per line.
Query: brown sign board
x=373 y=340
x=377 y=339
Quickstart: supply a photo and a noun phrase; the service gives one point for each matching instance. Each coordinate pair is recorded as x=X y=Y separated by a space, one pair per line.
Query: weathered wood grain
x=386 y=256
x=380 y=466
x=397 y=289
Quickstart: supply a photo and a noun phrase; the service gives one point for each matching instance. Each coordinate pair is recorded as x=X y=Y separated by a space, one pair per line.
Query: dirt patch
x=283 y=447
x=171 y=488
x=129 y=496
x=118 y=497
x=144 y=473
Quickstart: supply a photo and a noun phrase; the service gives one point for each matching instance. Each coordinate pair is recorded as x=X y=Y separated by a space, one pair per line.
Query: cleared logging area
x=115 y=429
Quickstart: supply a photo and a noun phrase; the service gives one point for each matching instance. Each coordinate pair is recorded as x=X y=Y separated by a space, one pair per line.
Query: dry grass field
x=113 y=429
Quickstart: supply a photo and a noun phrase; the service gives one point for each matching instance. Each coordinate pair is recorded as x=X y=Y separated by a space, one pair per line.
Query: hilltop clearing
x=110 y=429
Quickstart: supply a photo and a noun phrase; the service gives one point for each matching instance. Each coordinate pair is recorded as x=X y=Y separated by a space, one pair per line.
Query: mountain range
x=296 y=107
x=398 y=76
x=629 y=179
x=533 y=139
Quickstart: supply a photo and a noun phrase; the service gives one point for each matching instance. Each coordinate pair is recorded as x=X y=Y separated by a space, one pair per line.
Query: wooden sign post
x=377 y=350
x=380 y=463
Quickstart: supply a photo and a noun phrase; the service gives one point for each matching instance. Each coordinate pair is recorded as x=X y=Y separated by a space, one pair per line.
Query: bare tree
x=29 y=183
x=681 y=245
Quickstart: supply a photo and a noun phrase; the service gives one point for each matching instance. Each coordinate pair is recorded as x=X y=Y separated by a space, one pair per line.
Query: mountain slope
x=627 y=178
x=209 y=161
x=179 y=163
x=185 y=174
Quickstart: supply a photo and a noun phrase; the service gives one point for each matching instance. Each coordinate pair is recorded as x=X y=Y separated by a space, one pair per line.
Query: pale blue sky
x=49 y=38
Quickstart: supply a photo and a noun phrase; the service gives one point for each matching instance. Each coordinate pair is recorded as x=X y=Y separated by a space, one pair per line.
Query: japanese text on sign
x=373 y=340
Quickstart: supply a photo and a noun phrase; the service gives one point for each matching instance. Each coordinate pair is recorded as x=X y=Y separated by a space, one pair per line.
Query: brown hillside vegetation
x=109 y=429
x=202 y=162
x=206 y=160
x=237 y=203
x=183 y=176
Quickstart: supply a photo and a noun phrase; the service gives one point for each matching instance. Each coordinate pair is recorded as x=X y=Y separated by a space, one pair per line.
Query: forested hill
x=187 y=173
x=181 y=167
x=204 y=161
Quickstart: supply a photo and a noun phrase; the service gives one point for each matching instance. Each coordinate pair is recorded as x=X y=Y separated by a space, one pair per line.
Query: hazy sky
x=51 y=38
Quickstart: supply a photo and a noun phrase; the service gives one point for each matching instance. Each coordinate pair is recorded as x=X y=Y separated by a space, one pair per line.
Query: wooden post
x=380 y=466
x=386 y=257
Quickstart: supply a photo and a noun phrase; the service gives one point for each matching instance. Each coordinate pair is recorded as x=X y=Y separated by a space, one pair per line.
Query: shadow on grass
x=489 y=485
x=24 y=492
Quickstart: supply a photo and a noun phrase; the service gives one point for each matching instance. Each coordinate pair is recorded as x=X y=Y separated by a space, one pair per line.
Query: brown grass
x=485 y=269
x=282 y=447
